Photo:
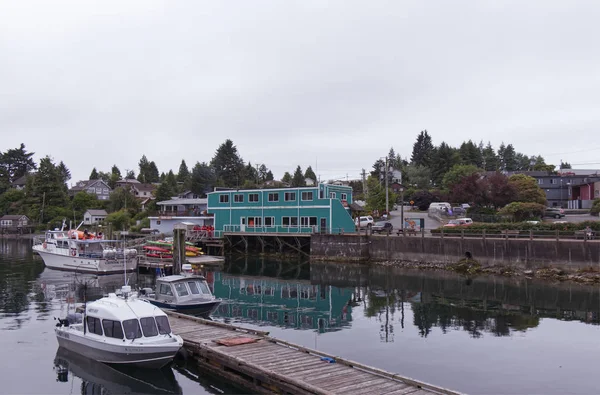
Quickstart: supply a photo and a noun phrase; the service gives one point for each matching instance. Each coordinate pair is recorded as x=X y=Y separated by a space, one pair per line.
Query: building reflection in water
x=282 y=302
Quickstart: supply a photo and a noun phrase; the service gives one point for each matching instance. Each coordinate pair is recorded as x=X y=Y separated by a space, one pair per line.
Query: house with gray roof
x=94 y=216
x=95 y=187
x=14 y=221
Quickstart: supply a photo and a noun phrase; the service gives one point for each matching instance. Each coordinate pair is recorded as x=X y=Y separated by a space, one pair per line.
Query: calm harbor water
x=480 y=336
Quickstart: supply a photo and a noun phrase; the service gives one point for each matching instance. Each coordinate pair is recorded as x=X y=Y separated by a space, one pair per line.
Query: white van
x=440 y=206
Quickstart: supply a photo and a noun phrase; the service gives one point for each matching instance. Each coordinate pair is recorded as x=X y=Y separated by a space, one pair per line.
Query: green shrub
x=496 y=228
x=521 y=211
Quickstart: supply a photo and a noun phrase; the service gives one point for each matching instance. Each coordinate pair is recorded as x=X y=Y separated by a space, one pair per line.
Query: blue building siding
x=322 y=208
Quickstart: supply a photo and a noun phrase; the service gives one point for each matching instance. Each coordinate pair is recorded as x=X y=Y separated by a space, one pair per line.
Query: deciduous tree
x=202 y=179
x=527 y=189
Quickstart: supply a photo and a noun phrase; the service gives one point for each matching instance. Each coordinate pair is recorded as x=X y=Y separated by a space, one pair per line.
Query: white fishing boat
x=84 y=253
x=120 y=330
x=184 y=291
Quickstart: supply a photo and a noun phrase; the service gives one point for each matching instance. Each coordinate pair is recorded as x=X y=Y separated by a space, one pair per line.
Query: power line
x=572 y=152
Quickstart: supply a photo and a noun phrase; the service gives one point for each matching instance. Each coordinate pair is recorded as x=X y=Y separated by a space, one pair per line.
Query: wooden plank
x=345 y=380
x=309 y=374
x=406 y=391
x=246 y=349
x=357 y=387
x=271 y=362
x=270 y=355
x=328 y=376
x=392 y=385
x=313 y=365
x=214 y=333
x=296 y=363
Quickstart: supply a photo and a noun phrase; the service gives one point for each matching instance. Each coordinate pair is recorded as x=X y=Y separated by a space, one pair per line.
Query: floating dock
x=266 y=365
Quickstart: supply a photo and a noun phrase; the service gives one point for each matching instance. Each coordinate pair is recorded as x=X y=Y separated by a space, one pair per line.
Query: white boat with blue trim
x=184 y=291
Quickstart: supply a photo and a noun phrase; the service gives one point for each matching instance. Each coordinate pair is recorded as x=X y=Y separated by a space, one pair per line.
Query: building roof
x=182 y=201
x=20 y=181
x=356 y=207
x=97 y=212
x=13 y=217
x=129 y=181
x=145 y=187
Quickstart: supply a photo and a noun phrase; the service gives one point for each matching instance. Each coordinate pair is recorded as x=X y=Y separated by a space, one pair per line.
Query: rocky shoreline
x=472 y=268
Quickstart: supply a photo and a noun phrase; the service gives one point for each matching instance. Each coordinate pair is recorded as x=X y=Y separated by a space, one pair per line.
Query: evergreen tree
x=203 y=179
x=165 y=190
x=171 y=179
x=269 y=176
x=422 y=150
x=65 y=173
x=507 y=157
x=251 y=175
x=94 y=174
x=130 y=175
x=443 y=159
x=152 y=174
x=114 y=171
x=564 y=165
x=490 y=159
x=470 y=154
x=298 y=178
x=287 y=178
x=378 y=171
x=144 y=166
x=49 y=187
x=228 y=165
x=263 y=173
x=309 y=173
x=15 y=163
x=183 y=175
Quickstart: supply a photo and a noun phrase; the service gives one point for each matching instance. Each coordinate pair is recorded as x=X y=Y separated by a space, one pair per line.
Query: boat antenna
x=84 y=307
x=124 y=261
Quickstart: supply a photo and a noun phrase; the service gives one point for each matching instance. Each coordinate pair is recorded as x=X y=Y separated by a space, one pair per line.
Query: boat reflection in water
x=99 y=378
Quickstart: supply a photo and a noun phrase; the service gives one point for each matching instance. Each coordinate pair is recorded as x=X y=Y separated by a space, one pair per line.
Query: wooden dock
x=267 y=365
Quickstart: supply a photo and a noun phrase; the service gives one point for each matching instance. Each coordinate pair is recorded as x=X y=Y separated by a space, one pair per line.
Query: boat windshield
x=193 y=287
x=163 y=325
x=149 y=326
x=181 y=289
x=203 y=287
x=132 y=329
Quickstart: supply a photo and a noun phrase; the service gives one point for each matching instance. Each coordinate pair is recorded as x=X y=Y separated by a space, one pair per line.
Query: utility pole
x=387 y=192
x=401 y=204
x=364 y=182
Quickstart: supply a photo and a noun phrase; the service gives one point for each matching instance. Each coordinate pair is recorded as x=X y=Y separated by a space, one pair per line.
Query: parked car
x=458 y=210
x=364 y=222
x=382 y=227
x=458 y=222
x=554 y=212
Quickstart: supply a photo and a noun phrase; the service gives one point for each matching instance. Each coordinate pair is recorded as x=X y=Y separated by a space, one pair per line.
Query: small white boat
x=184 y=291
x=65 y=250
x=121 y=330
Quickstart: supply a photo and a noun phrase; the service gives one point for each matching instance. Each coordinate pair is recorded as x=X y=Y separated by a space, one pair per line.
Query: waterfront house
x=187 y=207
x=94 y=187
x=92 y=217
x=322 y=208
x=14 y=221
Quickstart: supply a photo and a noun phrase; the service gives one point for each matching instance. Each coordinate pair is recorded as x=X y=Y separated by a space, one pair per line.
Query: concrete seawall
x=522 y=253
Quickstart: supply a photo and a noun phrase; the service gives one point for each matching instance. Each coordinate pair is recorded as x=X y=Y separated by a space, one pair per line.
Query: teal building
x=324 y=208
x=285 y=303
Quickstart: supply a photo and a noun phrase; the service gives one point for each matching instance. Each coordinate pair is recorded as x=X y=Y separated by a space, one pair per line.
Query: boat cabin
x=180 y=289
x=117 y=318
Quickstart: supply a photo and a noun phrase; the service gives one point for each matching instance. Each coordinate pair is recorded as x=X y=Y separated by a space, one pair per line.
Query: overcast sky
x=332 y=84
